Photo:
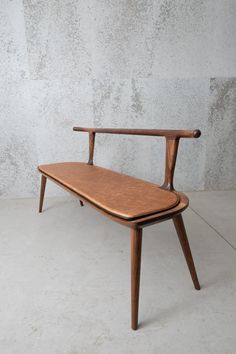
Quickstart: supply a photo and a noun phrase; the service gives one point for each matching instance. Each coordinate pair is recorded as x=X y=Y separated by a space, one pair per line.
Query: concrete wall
x=143 y=63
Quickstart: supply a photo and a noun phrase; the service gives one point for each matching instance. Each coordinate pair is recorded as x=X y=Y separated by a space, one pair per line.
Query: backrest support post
x=172 y=144
x=91 y=147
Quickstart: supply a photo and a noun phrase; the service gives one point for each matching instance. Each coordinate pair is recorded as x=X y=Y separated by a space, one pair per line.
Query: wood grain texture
x=151 y=132
x=118 y=194
x=180 y=228
x=171 y=156
x=91 y=147
x=42 y=191
x=136 y=249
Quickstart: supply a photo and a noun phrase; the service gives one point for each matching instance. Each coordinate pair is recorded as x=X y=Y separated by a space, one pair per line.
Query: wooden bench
x=130 y=201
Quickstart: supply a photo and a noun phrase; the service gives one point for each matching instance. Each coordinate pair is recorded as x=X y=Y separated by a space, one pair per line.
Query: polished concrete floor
x=65 y=281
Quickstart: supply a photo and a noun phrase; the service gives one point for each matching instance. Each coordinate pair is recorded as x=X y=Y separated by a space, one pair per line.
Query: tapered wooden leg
x=81 y=203
x=42 y=190
x=136 y=247
x=180 y=228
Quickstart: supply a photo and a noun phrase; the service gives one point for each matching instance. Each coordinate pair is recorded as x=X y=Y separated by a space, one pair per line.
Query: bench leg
x=136 y=247
x=81 y=203
x=180 y=228
x=42 y=190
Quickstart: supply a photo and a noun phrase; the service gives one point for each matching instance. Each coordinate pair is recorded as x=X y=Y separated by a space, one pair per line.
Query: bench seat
x=118 y=194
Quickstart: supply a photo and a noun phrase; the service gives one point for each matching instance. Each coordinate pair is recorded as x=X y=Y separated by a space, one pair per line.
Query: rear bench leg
x=136 y=247
x=81 y=203
x=42 y=190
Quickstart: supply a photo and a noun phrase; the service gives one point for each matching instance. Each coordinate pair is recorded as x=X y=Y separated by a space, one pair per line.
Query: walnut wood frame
x=172 y=141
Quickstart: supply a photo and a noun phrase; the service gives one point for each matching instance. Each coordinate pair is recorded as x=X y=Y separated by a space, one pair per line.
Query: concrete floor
x=65 y=281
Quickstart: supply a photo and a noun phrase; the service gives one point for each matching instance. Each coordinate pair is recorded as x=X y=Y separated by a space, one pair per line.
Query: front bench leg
x=136 y=247
x=183 y=239
x=42 y=191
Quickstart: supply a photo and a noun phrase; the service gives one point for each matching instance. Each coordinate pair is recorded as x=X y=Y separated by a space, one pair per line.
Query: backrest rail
x=152 y=132
x=172 y=143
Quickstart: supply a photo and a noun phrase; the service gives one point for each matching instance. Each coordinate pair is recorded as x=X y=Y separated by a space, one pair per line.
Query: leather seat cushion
x=118 y=194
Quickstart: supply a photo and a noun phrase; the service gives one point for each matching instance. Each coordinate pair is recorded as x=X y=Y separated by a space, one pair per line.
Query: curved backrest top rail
x=152 y=132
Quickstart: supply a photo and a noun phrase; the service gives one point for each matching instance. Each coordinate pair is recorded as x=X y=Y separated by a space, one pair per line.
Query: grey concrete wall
x=143 y=63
